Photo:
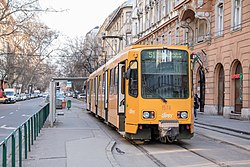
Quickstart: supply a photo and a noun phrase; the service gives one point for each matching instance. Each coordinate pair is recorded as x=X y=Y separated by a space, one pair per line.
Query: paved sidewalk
x=74 y=141
x=224 y=123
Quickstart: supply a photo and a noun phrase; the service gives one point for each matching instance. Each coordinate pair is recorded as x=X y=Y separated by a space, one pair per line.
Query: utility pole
x=111 y=37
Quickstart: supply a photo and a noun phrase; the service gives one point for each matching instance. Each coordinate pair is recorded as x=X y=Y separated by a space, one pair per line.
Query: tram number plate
x=168 y=124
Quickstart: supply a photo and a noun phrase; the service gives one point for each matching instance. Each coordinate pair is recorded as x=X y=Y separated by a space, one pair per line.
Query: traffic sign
x=69 y=84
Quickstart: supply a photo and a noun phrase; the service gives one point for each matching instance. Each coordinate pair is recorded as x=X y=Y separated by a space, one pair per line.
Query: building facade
x=218 y=33
x=118 y=30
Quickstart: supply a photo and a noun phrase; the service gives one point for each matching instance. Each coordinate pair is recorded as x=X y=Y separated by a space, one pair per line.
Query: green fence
x=16 y=146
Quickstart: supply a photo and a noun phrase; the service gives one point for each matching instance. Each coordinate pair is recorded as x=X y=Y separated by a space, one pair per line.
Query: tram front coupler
x=168 y=130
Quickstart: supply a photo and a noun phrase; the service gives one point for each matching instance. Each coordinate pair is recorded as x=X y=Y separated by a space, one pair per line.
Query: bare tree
x=82 y=56
x=24 y=42
x=24 y=61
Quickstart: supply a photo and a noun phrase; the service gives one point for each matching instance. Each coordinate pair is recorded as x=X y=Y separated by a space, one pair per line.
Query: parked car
x=81 y=96
x=19 y=97
x=23 y=96
x=74 y=95
x=11 y=95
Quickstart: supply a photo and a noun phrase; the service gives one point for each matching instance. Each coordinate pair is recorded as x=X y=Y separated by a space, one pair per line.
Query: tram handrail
x=31 y=128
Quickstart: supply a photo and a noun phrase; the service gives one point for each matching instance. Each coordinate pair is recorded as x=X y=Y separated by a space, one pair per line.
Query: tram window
x=115 y=80
x=103 y=83
x=95 y=86
x=98 y=84
x=133 y=79
x=123 y=81
x=88 y=87
x=111 y=82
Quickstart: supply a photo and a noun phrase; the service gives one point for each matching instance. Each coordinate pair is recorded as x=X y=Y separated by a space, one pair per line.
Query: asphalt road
x=13 y=115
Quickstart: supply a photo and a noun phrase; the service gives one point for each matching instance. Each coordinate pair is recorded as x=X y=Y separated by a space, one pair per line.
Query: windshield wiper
x=154 y=93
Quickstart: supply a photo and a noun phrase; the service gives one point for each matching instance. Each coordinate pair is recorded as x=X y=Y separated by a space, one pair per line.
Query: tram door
x=106 y=95
x=121 y=96
x=96 y=95
x=89 y=94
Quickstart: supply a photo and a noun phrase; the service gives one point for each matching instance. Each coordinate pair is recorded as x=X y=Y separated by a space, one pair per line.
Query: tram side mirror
x=127 y=74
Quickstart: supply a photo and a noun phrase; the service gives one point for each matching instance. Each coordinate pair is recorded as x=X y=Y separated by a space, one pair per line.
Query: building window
x=157 y=12
x=201 y=30
x=169 y=37
x=177 y=35
x=200 y=3
x=128 y=17
x=185 y=36
x=162 y=36
x=219 y=26
x=177 y=2
x=147 y=22
x=151 y=41
x=169 y=6
x=236 y=14
x=163 y=8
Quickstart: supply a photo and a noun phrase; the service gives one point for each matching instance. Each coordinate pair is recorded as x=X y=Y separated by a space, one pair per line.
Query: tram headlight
x=148 y=114
x=182 y=114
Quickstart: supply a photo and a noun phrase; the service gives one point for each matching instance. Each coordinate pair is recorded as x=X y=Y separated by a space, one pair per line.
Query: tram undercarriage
x=163 y=134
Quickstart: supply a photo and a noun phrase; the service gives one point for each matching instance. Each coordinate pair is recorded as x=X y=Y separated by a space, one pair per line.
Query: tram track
x=181 y=144
x=156 y=161
x=147 y=154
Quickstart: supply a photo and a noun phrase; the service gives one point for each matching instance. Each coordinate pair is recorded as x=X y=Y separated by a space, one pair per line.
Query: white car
x=11 y=95
x=81 y=96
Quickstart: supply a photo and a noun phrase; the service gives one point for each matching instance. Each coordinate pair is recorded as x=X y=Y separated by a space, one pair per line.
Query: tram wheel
x=163 y=139
x=170 y=139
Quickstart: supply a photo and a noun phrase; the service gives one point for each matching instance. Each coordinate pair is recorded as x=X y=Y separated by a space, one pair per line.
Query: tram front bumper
x=168 y=128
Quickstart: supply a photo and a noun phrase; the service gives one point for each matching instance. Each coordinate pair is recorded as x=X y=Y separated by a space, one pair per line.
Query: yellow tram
x=145 y=92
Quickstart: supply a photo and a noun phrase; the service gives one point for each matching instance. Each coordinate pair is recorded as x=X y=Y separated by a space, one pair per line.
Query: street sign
x=69 y=84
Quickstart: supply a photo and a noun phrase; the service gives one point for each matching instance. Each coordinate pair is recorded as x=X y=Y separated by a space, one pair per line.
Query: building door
x=202 y=90
x=238 y=89
x=221 y=89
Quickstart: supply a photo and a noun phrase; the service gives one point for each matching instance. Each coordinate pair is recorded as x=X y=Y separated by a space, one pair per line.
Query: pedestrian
x=196 y=105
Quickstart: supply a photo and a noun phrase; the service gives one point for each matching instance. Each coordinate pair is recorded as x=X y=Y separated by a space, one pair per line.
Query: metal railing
x=25 y=135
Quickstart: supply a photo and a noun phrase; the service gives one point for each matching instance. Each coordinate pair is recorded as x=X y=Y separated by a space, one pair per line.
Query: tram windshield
x=164 y=73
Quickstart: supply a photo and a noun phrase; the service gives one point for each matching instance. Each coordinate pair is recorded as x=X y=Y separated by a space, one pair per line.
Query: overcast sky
x=81 y=17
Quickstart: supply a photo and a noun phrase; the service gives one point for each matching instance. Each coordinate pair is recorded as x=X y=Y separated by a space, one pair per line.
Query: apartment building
x=218 y=33
x=118 y=30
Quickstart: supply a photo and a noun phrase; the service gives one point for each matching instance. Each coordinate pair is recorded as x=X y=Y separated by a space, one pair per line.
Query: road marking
x=26 y=115
x=11 y=113
x=2 y=117
x=5 y=127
